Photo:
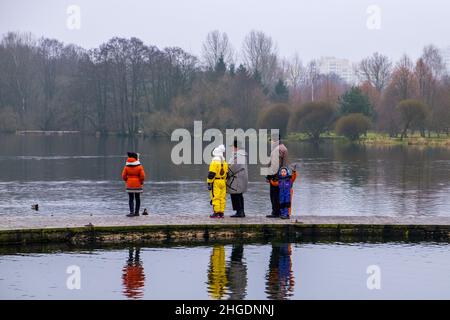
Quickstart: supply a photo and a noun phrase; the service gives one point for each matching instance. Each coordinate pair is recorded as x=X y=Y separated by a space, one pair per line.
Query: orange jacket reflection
x=133 y=277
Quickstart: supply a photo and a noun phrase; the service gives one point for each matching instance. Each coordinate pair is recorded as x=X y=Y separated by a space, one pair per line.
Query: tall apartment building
x=341 y=67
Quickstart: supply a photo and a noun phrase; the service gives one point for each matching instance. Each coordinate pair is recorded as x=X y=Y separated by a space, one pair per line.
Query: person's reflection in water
x=280 y=279
x=133 y=275
x=237 y=273
x=217 y=279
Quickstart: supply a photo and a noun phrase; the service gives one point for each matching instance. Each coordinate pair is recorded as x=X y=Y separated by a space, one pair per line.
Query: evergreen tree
x=257 y=76
x=242 y=71
x=281 y=92
x=355 y=101
x=220 y=67
x=232 y=69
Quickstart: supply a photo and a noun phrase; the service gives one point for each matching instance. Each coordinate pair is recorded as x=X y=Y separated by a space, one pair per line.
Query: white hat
x=218 y=151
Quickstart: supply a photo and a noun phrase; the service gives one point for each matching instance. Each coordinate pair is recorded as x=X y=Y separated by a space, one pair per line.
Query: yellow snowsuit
x=217 y=278
x=217 y=177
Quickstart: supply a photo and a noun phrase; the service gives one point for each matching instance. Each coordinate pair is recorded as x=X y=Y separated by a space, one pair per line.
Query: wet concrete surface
x=37 y=221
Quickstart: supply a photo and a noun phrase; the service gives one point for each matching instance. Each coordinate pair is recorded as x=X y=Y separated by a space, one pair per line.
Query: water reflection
x=217 y=277
x=237 y=273
x=230 y=279
x=133 y=276
x=280 y=278
x=355 y=164
x=253 y=271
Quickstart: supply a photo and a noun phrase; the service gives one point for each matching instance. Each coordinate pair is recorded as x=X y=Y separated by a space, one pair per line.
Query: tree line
x=128 y=87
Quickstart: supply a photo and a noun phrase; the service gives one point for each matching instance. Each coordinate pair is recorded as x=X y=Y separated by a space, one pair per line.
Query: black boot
x=273 y=215
x=239 y=214
x=131 y=214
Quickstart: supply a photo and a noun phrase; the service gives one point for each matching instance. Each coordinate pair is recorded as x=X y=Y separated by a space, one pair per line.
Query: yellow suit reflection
x=217 y=279
x=133 y=276
x=280 y=279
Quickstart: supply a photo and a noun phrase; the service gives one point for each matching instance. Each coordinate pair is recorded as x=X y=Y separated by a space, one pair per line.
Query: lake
x=79 y=175
x=232 y=271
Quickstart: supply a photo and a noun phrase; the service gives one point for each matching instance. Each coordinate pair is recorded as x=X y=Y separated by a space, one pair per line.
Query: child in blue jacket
x=285 y=182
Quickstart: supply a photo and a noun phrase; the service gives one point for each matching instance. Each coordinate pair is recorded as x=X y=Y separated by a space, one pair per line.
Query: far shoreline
x=371 y=139
x=378 y=139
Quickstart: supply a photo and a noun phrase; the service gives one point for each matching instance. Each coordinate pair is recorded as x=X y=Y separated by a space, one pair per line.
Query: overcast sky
x=311 y=28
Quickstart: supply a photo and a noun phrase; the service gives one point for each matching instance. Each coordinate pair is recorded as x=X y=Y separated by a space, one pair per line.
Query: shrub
x=413 y=114
x=313 y=118
x=353 y=126
x=275 y=117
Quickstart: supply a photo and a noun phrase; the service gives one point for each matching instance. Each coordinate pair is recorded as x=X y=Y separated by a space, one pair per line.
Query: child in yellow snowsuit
x=217 y=177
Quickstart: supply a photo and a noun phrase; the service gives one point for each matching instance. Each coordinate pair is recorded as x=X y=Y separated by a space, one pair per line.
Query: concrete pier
x=198 y=229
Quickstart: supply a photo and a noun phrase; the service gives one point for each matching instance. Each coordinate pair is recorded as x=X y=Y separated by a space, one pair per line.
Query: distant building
x=445 y=52
x=341 y=67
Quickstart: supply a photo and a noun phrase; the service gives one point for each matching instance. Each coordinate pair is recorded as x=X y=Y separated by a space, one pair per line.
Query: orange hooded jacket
x=133 y=174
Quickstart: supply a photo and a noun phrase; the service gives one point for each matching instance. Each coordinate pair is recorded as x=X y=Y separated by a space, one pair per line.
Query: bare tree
x=50 y=54
x=441 y=112
x=329 y=87
x=403 y=79
x=217 y=46
x=313 y=74
x=19 y=65
x=376 y=70
x=295 y=72
x=429 y=70
x=425 y=80
x=402 y=86
x=433 y=59
x=260 y=56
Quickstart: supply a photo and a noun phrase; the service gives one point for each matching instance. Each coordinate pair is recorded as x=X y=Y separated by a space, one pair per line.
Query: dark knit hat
x=132 y=155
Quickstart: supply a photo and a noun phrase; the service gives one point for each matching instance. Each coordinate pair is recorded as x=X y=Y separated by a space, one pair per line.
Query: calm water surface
x=256 y=271
x=73 y=175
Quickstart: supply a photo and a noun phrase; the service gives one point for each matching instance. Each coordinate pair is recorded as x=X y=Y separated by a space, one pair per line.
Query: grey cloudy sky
x=311 y=28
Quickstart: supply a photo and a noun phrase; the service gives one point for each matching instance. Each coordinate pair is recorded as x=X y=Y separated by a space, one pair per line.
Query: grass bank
x=376 y=138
